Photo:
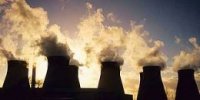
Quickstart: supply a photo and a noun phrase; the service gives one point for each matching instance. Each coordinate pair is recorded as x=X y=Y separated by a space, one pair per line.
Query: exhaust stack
x=33 y=81
x=110 y=80
x=17 y=75
x=60 y=74
x=153 y=88
x=187 y=88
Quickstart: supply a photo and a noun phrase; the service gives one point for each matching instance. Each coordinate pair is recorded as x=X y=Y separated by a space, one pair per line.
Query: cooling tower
x=110 y=80
x=187 y=88
x=139 y=97
x=17 y=76
x=60 y=74
x=73 y=81
x=152 y=86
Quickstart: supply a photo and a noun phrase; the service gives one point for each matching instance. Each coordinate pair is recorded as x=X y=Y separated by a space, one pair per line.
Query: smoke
x=20 y=26
x=111 y=54
x=5 y=1
x=154 y=57
x=7 y=54
x=188 y=59
x=75 y=62
x=49 y=46
x=97 y=41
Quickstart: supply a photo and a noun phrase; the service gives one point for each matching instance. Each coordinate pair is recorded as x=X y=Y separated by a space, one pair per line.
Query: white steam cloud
x=190 y=59
x=154 y=57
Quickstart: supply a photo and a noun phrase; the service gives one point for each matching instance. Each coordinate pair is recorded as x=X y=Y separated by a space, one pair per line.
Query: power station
x=62 y=83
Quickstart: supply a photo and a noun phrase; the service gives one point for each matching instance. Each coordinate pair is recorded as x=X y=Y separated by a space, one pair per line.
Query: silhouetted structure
x=139 y=96
x=61 y=83
x=152 y=86
x=187 y=88
x=61 y=79
x=16 y=84
x=110 y=80
x=17 y=75
x=33 y=81
x=73 y=81
x=110 y=85
x=60 y=74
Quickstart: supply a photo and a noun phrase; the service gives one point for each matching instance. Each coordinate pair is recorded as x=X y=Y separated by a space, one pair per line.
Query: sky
x=163 y=19
x=165 y=31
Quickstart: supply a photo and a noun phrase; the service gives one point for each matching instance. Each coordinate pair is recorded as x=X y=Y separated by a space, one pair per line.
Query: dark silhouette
x=16 y=83
x=139 y=96
x=110 y=85
x=33 y=81
x=60 y=74
x=187 y=88
x=110 y=80
x=17 y=75
x=61 y=78
x=152 y=86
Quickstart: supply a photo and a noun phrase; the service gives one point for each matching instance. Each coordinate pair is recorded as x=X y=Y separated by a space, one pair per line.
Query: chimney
x=17 y=75
x=60 y=74
x=33 y=81
x=139 y=96
x=153 y=88
x=187 y=88
x=110 y=80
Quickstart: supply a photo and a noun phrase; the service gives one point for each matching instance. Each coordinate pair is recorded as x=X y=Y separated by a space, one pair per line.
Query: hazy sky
x=164 y=19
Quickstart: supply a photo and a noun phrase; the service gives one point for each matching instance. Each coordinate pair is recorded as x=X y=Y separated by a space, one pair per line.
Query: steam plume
x=75 y=62
x=154 y=56
x=8 y=54
x=188 y=60
x=111 y=54
x=49 y=46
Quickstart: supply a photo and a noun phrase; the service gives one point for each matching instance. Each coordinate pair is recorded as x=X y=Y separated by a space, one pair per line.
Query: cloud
x=188 y=60
x=193 y=41
x=89 y=5
x=177 y=40
x=154 y=56
x=5 y=1
x=111 y=54
x=20 y=26
x=112 y=17
x=49 y=46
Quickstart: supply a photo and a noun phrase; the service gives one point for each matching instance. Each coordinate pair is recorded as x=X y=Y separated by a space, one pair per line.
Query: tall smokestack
x=60 y=74
x=139 y=97
x=110 y=80
x=33 y=81
x=153 y=88
x=187 y=88
x=17 y=75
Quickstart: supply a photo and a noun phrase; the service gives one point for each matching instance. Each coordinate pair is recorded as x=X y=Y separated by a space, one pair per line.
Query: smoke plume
x=49 y=46
x=154 y=57
x=111 y=54
x=188 y=59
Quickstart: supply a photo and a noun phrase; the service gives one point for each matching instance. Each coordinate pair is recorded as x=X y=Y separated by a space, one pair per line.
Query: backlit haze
x=131 y=32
